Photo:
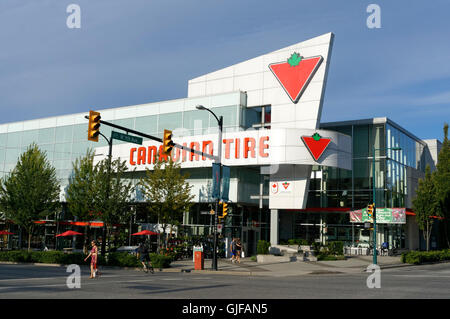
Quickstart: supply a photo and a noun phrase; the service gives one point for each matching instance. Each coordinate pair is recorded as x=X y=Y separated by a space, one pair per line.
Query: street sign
x=126 y=138
x=219 y=228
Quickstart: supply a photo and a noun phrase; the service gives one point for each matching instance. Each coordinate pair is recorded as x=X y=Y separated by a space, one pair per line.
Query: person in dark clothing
x=238 y=250
x=143 y=254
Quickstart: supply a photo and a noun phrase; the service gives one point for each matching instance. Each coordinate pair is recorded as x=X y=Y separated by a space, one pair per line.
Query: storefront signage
x=384 y=216
x=295 y=74
x=281 y=187
x=242 y=148
x=316 y=144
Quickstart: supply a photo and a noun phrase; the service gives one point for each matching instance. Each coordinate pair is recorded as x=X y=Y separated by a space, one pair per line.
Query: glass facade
x=64 y=143
x=337 y=191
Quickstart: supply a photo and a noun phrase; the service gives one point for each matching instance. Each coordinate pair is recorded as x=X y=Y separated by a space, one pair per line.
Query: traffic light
x=94 y=126
x=224 y=209
x=370 y=210
x=167 y=142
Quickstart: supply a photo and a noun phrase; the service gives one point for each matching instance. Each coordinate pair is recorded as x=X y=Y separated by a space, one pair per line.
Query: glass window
x=2 y=156
x=48 y=150
x=170 y=121
x=63 y=150
x=377 y=140
x=12 y=155
x=361 y=174
x=196 y=121
x=3 y=138
x=14 y=139
x=64 y=133
x=128 y=123
x=361 y=141
x=251 y=116
x=229 y=114
x=147 y=124
x=46 y=135
x=80 y=132
x=29 y=137
x=80 y=149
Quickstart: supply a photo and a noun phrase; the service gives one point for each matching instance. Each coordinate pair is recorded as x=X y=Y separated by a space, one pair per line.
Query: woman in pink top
x=93 y=255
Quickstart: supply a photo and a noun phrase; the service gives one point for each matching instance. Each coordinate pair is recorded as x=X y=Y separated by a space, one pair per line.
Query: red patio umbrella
x=69 y=233
x=145 y=232
x=5 y=232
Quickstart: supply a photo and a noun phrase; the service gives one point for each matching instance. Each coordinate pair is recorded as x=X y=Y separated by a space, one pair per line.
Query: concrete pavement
x=247 y=267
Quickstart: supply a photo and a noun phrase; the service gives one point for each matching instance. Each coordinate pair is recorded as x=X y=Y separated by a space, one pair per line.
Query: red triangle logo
x=295 y=74
x=316 y=144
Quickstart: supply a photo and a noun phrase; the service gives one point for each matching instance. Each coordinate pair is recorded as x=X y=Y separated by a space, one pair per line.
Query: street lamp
x=374 y=201
x=218 y=161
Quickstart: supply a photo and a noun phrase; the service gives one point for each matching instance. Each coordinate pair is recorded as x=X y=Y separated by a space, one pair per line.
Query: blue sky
x=140 y=51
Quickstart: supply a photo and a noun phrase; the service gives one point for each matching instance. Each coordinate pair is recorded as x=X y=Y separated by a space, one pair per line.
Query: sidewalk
x=247 y=267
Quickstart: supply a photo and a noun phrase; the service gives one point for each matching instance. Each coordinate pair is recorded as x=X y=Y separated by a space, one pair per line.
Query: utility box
x=199 y=260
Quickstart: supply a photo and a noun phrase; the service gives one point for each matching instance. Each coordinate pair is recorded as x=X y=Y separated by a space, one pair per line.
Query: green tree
x=168 y=194
x=112 y=195
x=80 y=193
x=426 y=205
x=442 y=181
x=31 y=191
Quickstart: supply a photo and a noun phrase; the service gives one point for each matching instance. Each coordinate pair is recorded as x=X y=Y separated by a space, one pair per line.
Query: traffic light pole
x=374 y=210
x=110 y=143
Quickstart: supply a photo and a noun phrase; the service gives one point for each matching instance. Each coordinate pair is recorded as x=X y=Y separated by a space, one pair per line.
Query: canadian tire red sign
x=295 y=74
x=316 y=144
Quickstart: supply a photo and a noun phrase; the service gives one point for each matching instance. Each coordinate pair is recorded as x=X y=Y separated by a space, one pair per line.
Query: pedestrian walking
x=93 y=254
x=233 y=250
x=238 y=250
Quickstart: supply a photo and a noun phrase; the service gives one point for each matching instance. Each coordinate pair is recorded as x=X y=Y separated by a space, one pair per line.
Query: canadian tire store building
x=291 y=176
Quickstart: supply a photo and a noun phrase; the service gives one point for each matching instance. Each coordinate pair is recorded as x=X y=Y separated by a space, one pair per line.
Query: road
x=30 y=282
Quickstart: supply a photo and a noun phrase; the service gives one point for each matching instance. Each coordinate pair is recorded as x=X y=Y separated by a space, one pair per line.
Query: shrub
x=419 y=257
x=326 y=257
x=297 y=241
x=262 y=247
x=316 y=248
x=47 y=257
x=122 y=259
x=160 y=261
x=336 y=247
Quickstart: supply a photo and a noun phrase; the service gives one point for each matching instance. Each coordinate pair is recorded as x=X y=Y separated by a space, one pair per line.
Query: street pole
x=110 y=143
x=219 y=160
x=374 y=210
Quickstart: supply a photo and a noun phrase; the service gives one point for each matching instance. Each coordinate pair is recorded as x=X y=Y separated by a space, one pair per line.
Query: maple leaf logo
x=295 y=59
